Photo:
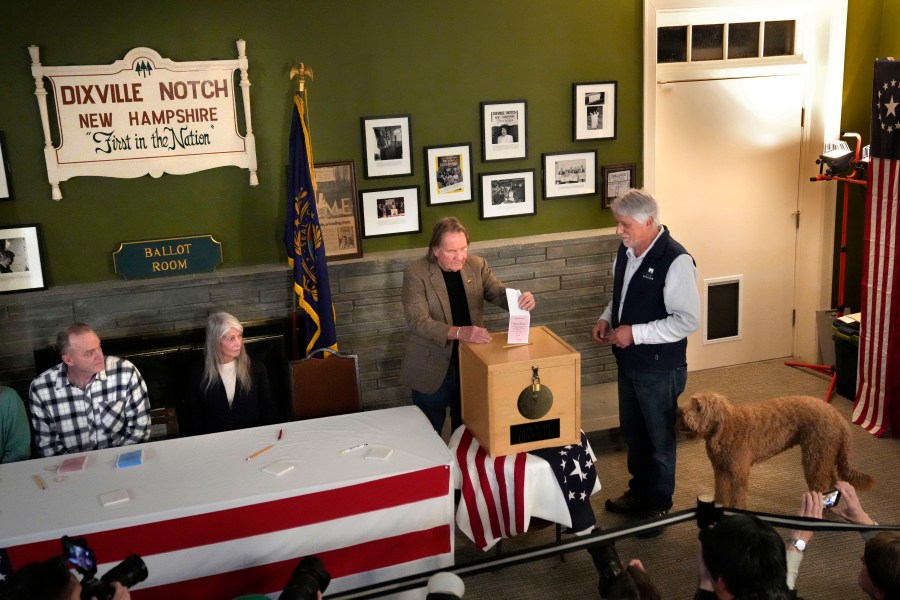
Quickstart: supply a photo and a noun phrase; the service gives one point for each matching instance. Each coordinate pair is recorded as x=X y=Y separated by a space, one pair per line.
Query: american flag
x=500 y=495
x=876 y=403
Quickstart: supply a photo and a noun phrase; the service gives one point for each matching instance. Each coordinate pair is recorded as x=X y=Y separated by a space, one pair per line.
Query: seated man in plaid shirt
x=88 y=401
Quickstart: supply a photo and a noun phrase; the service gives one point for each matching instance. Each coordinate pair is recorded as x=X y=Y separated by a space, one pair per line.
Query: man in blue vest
x=655 y=306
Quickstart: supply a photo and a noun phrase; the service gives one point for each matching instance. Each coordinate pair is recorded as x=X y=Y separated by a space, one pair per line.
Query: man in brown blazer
x=443 y=302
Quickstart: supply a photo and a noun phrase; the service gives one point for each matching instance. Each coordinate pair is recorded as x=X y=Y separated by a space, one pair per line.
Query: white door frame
x=822 y=49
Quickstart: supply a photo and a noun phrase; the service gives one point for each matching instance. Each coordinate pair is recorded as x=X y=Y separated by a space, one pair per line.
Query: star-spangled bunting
x=499 y=496
x=574 y=469
x=886 y=102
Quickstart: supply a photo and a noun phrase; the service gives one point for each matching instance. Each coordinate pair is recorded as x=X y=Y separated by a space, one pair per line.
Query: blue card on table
x=130 y=459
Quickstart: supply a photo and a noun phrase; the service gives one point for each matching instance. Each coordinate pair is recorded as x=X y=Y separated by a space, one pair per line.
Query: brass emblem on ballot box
x=535 y=400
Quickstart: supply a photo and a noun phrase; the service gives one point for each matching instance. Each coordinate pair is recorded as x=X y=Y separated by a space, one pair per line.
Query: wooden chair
x=323 y=386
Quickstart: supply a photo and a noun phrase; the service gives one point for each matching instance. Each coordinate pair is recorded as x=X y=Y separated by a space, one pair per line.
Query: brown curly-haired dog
x=740 y=435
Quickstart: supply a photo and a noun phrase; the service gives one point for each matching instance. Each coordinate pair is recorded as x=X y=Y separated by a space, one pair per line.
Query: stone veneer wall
x=569 y=274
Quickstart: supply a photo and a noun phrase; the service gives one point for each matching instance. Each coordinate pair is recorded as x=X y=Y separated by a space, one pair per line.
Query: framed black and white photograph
x=616 y=180
x=504 y=134
x=507 y=194
x=449 y=173
x=387 y=146
x=6 y=190
x=391 y=211
x=570 y=174
x=594 y=110
x=338 y=208
x=21 y=268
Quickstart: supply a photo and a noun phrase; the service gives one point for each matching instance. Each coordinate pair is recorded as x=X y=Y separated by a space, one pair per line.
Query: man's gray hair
x=64 y=338
x=637 y=204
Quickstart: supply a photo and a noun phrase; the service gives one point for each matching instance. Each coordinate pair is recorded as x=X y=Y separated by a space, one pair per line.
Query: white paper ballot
x=519 y=319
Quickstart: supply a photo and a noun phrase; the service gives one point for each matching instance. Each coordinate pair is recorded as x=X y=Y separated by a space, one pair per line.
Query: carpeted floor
x=831 y=562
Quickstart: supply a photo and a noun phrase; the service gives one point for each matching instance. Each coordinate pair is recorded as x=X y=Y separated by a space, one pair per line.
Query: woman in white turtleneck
x=228 y=391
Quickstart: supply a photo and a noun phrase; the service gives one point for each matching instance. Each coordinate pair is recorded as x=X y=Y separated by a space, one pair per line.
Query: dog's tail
x=858 y=479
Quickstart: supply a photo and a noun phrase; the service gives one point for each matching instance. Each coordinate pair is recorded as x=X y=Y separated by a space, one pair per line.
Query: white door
x=727 y=171
x=722 y=139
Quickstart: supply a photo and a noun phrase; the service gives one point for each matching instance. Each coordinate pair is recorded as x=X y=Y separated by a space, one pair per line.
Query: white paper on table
x=519 y=319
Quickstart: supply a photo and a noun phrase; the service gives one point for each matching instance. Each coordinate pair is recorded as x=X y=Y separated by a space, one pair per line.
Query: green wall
x=434 y=60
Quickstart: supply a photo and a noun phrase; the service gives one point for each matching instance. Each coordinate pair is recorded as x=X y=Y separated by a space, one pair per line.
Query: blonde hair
x=217 y=325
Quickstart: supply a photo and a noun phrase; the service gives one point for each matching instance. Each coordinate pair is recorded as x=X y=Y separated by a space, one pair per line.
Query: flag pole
x=299 y=70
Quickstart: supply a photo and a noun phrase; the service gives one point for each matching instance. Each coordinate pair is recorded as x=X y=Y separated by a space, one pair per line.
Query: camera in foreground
x=308 y=579
x=129 y=572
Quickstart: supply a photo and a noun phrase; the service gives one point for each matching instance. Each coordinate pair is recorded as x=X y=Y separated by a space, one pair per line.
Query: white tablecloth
x=206 y=520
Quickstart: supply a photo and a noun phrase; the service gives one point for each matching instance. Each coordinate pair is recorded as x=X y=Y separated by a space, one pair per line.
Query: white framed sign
x=144 y=114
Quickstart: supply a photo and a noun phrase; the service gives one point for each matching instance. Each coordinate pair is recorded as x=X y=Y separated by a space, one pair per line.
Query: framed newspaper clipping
x=338 y=208
x=617 y=179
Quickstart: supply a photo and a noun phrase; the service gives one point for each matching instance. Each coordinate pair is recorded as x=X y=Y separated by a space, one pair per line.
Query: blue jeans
x=647 y=402
x=435 y=405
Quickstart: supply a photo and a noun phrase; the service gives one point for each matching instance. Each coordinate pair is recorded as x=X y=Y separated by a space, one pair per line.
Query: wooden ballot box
x=517 y=398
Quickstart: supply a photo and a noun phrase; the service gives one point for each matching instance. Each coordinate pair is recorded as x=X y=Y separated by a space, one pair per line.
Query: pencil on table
x=264 y=450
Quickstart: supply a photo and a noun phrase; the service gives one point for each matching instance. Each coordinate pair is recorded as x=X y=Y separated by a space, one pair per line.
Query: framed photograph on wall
x=387 y=146
x=507 y=194
x=594 y=110
x=448 y=173
x=617 y=179
x=338 y=208
x=6 y=191
x=570 y=174
x=504 y=133
x=391 y=211
x=21 y=264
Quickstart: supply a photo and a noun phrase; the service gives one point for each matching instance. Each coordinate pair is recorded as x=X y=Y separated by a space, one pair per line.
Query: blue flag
x=303 y=239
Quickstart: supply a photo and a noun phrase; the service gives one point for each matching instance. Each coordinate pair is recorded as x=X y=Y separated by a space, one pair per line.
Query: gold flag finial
x=303 y=71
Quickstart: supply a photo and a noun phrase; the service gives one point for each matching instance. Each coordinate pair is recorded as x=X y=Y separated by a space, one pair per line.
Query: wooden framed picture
x=387 y=146
x=504 y=133
x=338 y=208
x=508 y=194
x=21 y=264
x=6 y=190
x=617 y=179
x=594 y=110
x=391 y=211
x=449 y=173
x=570 y=174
